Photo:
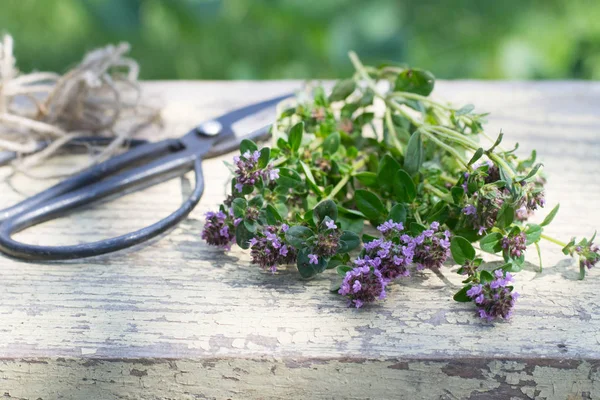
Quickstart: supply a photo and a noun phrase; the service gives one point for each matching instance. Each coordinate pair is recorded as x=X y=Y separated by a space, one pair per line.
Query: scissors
x=143 y=166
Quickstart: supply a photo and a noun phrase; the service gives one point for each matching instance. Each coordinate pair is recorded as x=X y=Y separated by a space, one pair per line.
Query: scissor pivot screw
x=209 y=128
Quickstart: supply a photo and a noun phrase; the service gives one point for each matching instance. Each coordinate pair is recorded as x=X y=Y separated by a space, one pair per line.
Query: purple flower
x=218 y=229
x=313 y=259
x=514 y=245
x=494 y=299
x=248 y=173
x=327 y=243
x=268 y=250
x=474 y=291
x=588 y=252
x=431 y=248
x=363 y=285
x=390 y=226
x=470 y=210
x=272 y=173
x=483 y=213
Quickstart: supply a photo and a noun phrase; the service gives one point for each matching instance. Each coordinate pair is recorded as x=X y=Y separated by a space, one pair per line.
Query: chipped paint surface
x=197 y=316
x=266 y=378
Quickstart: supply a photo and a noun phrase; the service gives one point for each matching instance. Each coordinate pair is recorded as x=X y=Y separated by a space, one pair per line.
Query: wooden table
x=176 y=319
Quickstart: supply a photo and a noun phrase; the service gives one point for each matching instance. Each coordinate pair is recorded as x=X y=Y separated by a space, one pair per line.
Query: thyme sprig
x=379 y=150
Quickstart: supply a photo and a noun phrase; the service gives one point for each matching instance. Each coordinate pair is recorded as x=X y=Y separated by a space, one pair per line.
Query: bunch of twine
x=98 y=97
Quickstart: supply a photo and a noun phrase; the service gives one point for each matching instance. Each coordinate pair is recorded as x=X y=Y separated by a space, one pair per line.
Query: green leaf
x=272 y=215
x=369 y=204
x=506 y=215
x=363 y=119
x=457 y=194
x=511 y=267
x=295 y=136
x=351 y=223
x=439 y=212
x=256 y=201
x=461 y=295
x=461 y=250
x=342 y=89
x=398 y=213
x=331 y=143
x=414 y=154
x=368 y=179
x=533 y=233
x=334 y=262
x=349 y=109
x=342 y=269
x=532 y=173
x=416 y=228
x=485 y=277
x=310 y=178
x=239 y=207
x=387 y=171
x=415 y=81
x=476 y=156
x=306 y=269
x=491 y=243
x=550 y=216
x=404 y=187
x=265 y=155
x=326 y=208
x=367 y=238
x=251 y=226
x=297 y=235
x=243 y=236
x=248 y=145
x=288 y=178
x=464 y=110
x=348 y=242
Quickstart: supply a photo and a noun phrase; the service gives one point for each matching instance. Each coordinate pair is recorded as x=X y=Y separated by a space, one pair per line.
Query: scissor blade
x=228 y=119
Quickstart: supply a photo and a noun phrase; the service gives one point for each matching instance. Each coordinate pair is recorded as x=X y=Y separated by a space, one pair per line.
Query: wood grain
x=177 y=319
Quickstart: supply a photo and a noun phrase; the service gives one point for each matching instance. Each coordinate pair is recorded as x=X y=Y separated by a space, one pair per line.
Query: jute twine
x=98 y=97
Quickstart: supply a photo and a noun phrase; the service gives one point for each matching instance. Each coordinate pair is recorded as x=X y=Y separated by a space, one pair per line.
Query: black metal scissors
x=144 y=165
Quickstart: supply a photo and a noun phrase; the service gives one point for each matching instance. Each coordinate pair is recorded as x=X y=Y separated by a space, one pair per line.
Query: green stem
x=362 y=72
x=444 y=146
x=392 y=131
x=555 y=241
x=502 y=163
x=444 y=196
x=414 y=96
x=456 y=136
x=340 y=185
x=418 y=217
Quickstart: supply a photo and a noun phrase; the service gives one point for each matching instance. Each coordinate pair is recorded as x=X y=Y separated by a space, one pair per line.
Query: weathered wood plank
x=177 y=319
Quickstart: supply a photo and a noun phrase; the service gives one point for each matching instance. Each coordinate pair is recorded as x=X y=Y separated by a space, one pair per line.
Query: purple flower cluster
x=432 y=248
x=494 y=299
x=327 y=242
x=219 y=229
x=515 y=245
x=268 y=248
x=363 y=285
x=533 y=198
x=482 y=214
x=389 y=258
x=589 y=255
x=248 y=173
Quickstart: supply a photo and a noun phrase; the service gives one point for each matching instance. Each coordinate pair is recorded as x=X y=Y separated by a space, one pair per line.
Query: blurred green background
x=278 y=39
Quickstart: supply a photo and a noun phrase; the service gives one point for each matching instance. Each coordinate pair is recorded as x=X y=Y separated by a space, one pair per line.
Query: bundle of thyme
x=418 y=172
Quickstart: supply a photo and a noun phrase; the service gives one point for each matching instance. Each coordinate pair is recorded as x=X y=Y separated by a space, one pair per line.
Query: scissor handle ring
x=35 y=216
